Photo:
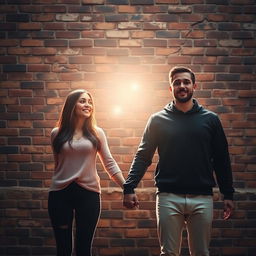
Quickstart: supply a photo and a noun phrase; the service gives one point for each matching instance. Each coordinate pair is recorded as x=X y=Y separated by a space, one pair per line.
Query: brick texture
x=121 y=51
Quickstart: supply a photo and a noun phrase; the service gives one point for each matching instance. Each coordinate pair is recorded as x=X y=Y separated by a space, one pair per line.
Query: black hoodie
x=191 y=147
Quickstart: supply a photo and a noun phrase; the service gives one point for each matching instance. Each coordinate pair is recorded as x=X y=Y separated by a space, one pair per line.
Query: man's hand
x=228 y=209
x=130 y=201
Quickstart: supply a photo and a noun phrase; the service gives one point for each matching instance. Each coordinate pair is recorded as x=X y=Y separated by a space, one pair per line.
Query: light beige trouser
x=174 y=212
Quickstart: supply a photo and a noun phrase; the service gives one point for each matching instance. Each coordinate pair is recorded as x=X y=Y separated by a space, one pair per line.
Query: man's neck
x=184 y=107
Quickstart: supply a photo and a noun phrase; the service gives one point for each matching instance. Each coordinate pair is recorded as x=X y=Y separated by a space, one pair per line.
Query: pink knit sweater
x=78 y=163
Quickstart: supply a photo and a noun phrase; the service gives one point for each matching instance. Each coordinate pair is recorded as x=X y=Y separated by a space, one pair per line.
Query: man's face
x=182 y=87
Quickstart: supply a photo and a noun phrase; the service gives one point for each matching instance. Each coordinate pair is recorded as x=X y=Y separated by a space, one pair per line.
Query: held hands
x=228 y=209
x=130 y=201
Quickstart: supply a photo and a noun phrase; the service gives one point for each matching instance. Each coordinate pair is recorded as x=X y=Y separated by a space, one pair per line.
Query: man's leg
x=199 y=224
x=170 y=222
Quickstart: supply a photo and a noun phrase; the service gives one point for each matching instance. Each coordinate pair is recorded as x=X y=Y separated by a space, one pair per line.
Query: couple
x=191 y=145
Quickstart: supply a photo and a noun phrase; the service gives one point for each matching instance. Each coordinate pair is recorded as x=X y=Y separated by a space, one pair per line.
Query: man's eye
x=186 y=82
x=176 y=83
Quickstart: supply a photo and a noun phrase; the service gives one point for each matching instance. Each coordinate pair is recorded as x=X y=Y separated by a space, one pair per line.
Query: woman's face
x=84 y=106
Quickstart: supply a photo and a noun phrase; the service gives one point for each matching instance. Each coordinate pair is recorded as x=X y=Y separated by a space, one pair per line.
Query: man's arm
x=141 y=161
x=228 y=209
x=222 y=167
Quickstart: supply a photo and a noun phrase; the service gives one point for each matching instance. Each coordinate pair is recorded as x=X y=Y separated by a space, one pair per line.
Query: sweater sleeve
x=221 y=162
x=106 y=158
x=142 y=159
x=54 y=133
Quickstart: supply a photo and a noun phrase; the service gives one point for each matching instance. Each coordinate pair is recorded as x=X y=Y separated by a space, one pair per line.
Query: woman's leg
x=87 y=211
x=61 y=215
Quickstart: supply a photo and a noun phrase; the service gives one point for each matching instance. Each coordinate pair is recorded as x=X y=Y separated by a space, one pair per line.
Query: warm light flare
x=117 y=110
x=127 y=97
x=134 y=87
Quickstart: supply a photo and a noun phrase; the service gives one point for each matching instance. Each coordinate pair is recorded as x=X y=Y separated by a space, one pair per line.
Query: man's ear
x=194 y=86
x=170 y=88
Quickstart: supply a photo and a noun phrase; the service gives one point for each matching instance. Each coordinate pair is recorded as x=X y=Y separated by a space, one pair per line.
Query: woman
x=75 y=188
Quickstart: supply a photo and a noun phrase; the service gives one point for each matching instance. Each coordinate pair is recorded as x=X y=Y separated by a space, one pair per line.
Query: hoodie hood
x=172 y=108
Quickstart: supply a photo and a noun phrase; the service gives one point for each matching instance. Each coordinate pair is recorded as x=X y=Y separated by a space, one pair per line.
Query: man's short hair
x=176 y=70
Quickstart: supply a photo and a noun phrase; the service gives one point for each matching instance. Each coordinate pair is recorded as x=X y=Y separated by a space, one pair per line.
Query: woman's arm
x=118 y=178
x=108 y=161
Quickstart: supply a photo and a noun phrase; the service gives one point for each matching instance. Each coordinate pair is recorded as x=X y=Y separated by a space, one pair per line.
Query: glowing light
x=127 y=96
x=134 y=87
x=117 y=110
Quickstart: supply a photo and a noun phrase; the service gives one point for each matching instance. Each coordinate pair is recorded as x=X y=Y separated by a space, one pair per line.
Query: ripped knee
x=63 y=226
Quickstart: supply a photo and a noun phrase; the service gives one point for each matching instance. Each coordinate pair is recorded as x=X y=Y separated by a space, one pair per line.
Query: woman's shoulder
x=99 y=130
x=54 y=131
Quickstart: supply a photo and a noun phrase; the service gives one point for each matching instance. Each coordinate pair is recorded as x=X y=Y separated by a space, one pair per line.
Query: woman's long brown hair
x=66 y=123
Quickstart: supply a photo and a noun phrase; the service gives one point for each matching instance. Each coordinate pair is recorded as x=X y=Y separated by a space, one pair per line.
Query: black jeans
x=63 y=205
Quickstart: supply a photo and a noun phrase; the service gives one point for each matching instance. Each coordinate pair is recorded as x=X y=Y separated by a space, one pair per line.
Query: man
x=191 y=145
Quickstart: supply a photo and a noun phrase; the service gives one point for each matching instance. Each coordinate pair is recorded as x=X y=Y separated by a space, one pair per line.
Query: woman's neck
x=79 y=125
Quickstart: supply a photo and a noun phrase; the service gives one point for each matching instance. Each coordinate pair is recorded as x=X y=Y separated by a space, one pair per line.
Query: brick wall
x=121 y=51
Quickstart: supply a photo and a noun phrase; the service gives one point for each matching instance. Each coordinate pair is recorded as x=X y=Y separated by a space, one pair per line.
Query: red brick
x=31 y=42
x=44 y=51
x=179 y=60
x=28 y=59
x=93 y=34
x=110 y=251
x=39 y=68
x=8 y=42
x=8 y=59
x=43 y=17
x=29 y=26
x=123 y=223
x=104 y=25
x=137 y=233
x=130 y=43
x=71 y=77
x=154 y=25
x=56 y=59
x=179 y=9
x=19 y=158
x=54 y=26
x=54 y=9
x=234 y=251
x=78 y=26
x=18 y=51
x=80 y=59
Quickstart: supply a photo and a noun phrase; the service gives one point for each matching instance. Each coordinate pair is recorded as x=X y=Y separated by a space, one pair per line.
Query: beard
x=183 y=99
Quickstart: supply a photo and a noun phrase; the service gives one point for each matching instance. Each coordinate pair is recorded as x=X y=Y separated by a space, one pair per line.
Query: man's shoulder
x=208 y=112
x=158 y=114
